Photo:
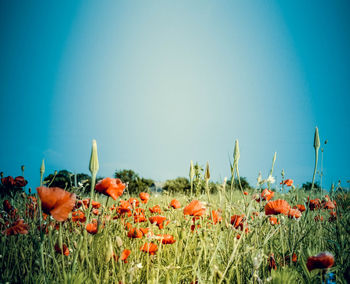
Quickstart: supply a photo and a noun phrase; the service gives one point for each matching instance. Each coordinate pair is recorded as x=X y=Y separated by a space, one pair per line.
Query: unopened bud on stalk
x=42 y=167
x=317 y=142
x=191 y=171
x=22 y=168
x=94 y=166
x=207 y=172
x=236 y=153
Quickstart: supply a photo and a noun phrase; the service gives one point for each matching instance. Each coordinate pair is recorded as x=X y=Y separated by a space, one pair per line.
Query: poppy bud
x=317 y=142
x=42 y=167
x=22 y=168
x=94 y=166
x=207 y=172
x=191 y=171
x=236 y=153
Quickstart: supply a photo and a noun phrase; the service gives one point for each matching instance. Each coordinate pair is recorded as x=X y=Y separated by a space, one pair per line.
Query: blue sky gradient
x=158 y=84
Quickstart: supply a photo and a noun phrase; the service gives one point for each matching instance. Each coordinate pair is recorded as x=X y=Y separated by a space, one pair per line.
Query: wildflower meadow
x=272 y=233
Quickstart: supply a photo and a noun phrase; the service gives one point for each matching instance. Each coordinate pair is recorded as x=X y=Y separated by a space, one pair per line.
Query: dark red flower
x=17 y=228
x=8 y=181
x=20 y=181
x=64 y=249
x=322 y=261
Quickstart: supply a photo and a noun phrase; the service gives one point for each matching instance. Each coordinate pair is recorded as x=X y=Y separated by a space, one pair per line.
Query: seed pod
x=236 y=153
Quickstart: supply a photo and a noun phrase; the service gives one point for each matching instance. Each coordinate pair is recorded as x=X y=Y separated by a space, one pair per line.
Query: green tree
x=245 y=184
x=136 y=184
x=180 y=184
x=307 y=186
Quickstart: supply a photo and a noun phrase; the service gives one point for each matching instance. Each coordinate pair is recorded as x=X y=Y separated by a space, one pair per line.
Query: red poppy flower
x=111 y=187
x=151 y=248
x=124 y=207
x=64 y=250
x=17 y=228
x=167 y=239
x=144 y=196
x=155 y=209
x=92 y=228
x=294 y=258
x=318 y=218
x=245 y=193
x=276 y=207
x=95 y=211
x=158 y=220
x=56 y=201
x=135 y=233
x=195 y=208
x=287 y=182
x=175 y=204
x=272 y=262
x=273 y=220
x=8 y=207
x=237 y=221
x=216 y=217
x=328 y=205
x=145 y=231
x=314 y=204
x=20 y=181
x=125 y=254
x=294 y=213
x=95 y=204
x=266 y=194
x=322 y=261
x=300 y=207
x=138 y=218
x=8 y=181
x=78 y=216
x=134 y=202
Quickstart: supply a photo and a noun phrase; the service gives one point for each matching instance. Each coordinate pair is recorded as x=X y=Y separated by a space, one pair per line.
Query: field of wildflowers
x=231 y=236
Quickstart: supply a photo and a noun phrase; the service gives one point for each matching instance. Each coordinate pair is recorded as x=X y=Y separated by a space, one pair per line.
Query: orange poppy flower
x=294 y=213
x=78 y=216
x=237 y=221
x=124 y=207
x=322 y=261
x=195 y=208
x=155 y=209
x=56 y=201
x=294 y=258
x=135 y=233
x=216 y=217
x=175 y=204
x=245 y=193
x=276 y=207
x=287 y=182
x=151 y=248
x=145 y=231
x=17 y=228
x=266 y=194
x=95 y=204
x=144 y=196
x=314 y=204
x=138 y=218
x=95 y=211
x=167 y=239
x=64 y=251
x=328 y=205
x=112 y=187
x=273 y=220
x=300 y=207
x=134 y=202
x=158 y=220
x=125 y=254
x=92 y=228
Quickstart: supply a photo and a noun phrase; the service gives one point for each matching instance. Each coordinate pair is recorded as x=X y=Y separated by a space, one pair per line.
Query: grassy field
x=206 y=250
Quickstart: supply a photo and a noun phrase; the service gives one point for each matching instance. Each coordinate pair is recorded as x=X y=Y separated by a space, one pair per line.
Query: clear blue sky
x=160 y=83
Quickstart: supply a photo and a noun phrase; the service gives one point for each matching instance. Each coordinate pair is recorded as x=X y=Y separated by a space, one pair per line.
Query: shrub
x=136 y=184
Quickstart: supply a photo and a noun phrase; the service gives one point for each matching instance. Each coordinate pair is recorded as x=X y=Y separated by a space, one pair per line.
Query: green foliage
x=245 y=184
x=307 y=186
x=136 y=184
x=178 y=185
